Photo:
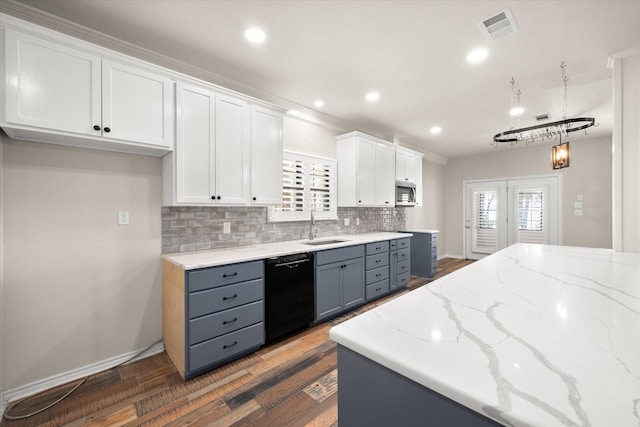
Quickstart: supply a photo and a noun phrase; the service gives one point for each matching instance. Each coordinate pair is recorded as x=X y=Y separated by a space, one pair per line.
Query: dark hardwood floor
x=293 y=382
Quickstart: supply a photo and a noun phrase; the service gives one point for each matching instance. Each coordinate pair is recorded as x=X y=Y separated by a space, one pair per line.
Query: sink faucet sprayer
x=311 y=233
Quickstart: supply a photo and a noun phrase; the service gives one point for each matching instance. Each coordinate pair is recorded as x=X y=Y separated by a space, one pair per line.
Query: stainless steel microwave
x=405 y=193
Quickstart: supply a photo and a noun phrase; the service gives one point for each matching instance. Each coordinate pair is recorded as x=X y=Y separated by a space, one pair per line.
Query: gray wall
x=77 y=288
x=589 y=175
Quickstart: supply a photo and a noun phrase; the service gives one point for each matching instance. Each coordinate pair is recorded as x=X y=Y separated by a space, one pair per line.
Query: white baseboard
x=65 y=377
x=453 y=256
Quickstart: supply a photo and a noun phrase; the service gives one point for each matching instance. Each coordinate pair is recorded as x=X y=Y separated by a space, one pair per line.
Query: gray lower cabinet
x=340 y=282
x=424 y=253
x=212 y=315
x=376 y=270
x=400 y=263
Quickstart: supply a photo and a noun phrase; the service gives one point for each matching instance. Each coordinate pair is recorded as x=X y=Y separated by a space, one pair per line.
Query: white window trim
x=275 y=216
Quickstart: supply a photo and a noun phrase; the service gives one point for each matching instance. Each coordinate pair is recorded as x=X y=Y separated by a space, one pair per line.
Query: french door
x=501 y=213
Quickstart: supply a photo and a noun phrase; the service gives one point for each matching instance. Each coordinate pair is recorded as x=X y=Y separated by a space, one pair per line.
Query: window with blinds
x=530 y=213
x=485 y=221
x=308 y=183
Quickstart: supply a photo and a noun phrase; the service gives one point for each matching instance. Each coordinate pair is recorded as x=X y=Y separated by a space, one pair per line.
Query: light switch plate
x=226 y=227
x=123 y=218
x=346 y=221
x=357 y=221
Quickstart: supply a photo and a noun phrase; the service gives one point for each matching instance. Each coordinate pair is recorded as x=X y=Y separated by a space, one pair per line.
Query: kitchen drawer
x=214 y=325
x=377 y=247
x=377 y=274
x=225 y=297
x=403 y=267
x=404 y=254
x=377 y=289
x=434 y=257
x=434 y=249
x=403 y=279
x=404 y=243
x=432 y=237
x=393 y=245
x=375 y=261
x=338 y=255
x=224 y=275
x=225 y=347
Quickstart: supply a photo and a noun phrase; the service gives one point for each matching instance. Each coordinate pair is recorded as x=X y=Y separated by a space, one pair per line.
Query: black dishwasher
x=289 y=294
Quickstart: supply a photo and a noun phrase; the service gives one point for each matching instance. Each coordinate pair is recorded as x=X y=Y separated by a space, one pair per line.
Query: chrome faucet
x=311 y=233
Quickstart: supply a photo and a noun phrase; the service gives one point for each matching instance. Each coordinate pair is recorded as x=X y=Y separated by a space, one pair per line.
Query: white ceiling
x=412 y=52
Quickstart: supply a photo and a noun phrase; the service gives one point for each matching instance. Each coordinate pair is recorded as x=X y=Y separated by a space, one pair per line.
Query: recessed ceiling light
x=516 y=111
x=477 y=55
x=435 y=130
x=319 y=103
x=255 y=35
x=373 y=96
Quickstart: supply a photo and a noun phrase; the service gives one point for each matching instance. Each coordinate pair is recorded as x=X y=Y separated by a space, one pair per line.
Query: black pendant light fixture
x=560 y=153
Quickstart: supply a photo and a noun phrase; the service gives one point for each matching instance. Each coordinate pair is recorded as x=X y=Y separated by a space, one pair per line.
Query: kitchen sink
x=323 y=242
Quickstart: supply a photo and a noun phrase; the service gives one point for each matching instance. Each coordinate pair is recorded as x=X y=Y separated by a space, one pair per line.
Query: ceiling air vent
x=499 y=25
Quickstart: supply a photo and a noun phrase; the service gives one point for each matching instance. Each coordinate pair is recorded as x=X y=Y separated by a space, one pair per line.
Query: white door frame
x=465 y=241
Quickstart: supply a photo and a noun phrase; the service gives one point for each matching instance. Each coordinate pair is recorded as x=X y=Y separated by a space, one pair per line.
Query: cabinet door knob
x=107 y=129
x=254 y=198
x=96 y=127
x=218 y=197
x=213 y=197
x=387 y=202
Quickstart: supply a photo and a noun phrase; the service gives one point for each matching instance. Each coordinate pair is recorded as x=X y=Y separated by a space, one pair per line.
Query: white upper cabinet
x=137 y=105
x=368 y=170
x=195 y=146
x=228 y=151
x=232 y=150
x=406 y=166
x=61 y=91
x=266 y=156
x=51 y=86
x=385 y=175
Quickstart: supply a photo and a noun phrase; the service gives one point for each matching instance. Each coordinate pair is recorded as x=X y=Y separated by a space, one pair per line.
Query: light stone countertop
x=419 y=230
x=214 y=257
x=532 y=335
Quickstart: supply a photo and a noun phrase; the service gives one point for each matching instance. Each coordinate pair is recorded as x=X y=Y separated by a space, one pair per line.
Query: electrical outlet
x=226 y=227
x=577 y=205
x=577 y=212
x=579 y=197
x=123 y=218
x=346 y=221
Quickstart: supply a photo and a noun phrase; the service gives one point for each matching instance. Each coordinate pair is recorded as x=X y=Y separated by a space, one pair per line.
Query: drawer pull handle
x=378 y=289
x=226 y=322
x=224 y=276
x=378 y=260
x=378 y=248
x=224 y=347
x=231 y=297
x=379 y=274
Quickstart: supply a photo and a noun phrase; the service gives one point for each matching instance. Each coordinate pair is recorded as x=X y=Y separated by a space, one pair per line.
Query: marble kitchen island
x=532 y=335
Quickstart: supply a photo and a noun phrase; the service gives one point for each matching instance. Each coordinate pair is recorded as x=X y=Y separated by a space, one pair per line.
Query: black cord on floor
x=7 y=415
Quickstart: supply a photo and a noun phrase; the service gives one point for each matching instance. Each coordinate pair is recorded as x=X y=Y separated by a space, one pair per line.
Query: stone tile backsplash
x=194 y=228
